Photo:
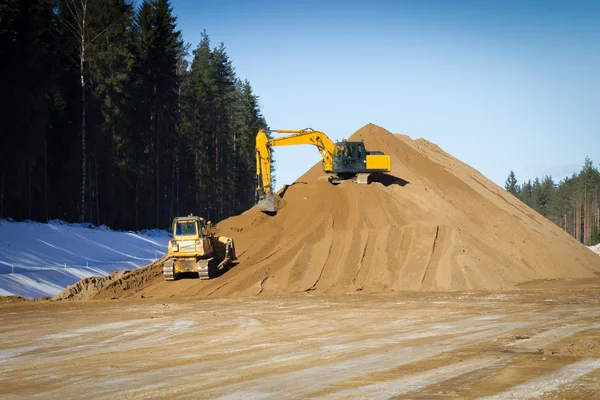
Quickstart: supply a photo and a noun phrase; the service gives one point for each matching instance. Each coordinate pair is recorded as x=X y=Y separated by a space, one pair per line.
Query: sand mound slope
x=114 y=285
x=435 y=224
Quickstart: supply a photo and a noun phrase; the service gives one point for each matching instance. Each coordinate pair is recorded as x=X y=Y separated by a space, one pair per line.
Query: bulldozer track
x=168 y=270
x=206 y=269
x=204 y=272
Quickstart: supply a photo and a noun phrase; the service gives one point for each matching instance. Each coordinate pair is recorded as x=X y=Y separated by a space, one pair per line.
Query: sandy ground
x=538 y=342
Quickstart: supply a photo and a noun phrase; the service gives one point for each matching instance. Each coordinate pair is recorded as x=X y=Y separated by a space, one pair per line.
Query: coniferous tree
x=197 y=131
x=511 y=184
x=74 y=17
x=27 y=79
x=110 y=80
x=220 y=124
x=546 y=191
x=225 y=103
x=526 y=193
x=250 y=121
x=89 y=29
x=573 y=203
x=156 y=113
x=536 y=195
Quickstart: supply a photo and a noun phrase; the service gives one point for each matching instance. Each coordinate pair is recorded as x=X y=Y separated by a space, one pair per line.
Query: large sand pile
x=433 y=224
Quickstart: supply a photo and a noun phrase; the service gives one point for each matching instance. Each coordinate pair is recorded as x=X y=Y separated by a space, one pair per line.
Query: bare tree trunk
x=97 y=195
x=2 y=197
x=235 y=163
x=585 y=216
x=173 y=172
x=198 y=179
x=137 y=222
x=217 y=171
x=83 y=104
x=30 y=184
x=579 y=218
x=597 y=212
x=113 y=179
x=157 y=170
x=45 y=175
x=576 y=220
x=177 y=187
x=90 y=190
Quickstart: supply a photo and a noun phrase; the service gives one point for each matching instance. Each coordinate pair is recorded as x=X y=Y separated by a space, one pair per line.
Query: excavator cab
x=349 y=157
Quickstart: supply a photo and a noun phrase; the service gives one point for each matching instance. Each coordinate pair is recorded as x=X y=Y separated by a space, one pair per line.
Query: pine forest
x=109 y=118
x=573 y=203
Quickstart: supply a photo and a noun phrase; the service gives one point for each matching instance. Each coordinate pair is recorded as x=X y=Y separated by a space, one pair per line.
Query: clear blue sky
x=500 y=85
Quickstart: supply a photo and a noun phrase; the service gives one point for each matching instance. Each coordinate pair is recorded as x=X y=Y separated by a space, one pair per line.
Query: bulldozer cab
x=349 y=157
x=188 y=228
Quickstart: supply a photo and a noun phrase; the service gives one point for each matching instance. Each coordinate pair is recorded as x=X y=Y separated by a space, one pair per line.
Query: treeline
x=102 y=119
x=573 y=203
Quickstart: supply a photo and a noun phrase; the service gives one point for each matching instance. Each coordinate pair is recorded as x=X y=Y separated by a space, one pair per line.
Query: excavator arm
x=325 y=146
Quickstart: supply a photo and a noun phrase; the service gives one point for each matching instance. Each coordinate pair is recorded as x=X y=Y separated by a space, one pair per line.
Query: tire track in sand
x=439 y=243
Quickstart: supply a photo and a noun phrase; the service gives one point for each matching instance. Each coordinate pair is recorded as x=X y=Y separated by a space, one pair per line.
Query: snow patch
x=38 y=259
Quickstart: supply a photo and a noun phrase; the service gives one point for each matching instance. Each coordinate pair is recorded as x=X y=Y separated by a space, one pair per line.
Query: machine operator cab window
x=360 y=152
x=343 y=155
x=348 y=156
x=337 y=156
x=186 y=228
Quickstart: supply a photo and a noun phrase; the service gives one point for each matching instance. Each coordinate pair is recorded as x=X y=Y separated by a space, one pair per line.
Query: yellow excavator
x=342 y=160
x=196 y=248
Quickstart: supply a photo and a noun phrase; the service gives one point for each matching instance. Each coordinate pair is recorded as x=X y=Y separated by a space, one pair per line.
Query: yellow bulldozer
x=341 y=160
x=195 y=248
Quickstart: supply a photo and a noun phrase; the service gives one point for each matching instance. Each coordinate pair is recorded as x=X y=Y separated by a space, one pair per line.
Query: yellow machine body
x=380 y=162
x=196 y=248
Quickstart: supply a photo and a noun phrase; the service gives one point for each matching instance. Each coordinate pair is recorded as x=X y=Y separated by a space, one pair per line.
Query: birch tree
x=77 y=21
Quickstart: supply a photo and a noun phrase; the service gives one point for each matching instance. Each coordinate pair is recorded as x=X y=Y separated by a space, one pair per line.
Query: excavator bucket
x=268 y=203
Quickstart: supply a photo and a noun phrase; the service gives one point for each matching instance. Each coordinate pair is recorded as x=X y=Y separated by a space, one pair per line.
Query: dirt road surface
x=534 y=343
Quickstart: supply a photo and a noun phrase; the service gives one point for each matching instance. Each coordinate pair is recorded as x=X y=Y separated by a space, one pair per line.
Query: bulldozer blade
x=268 y=203
x=226 y=251
x=224 y=264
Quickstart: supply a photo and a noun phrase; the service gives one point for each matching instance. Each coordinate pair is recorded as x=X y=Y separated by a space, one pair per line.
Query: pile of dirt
x=433 y=224
x=113 y=285
x=14 y=299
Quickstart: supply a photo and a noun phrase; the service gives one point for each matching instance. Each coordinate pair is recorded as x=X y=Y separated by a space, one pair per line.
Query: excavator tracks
x=360 y=178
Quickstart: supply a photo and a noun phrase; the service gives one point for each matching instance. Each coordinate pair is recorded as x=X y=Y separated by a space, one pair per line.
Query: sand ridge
x=433 y=224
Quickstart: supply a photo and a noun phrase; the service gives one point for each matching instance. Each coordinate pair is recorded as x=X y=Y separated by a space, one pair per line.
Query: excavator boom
x=266 y=200
x=347 y=160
